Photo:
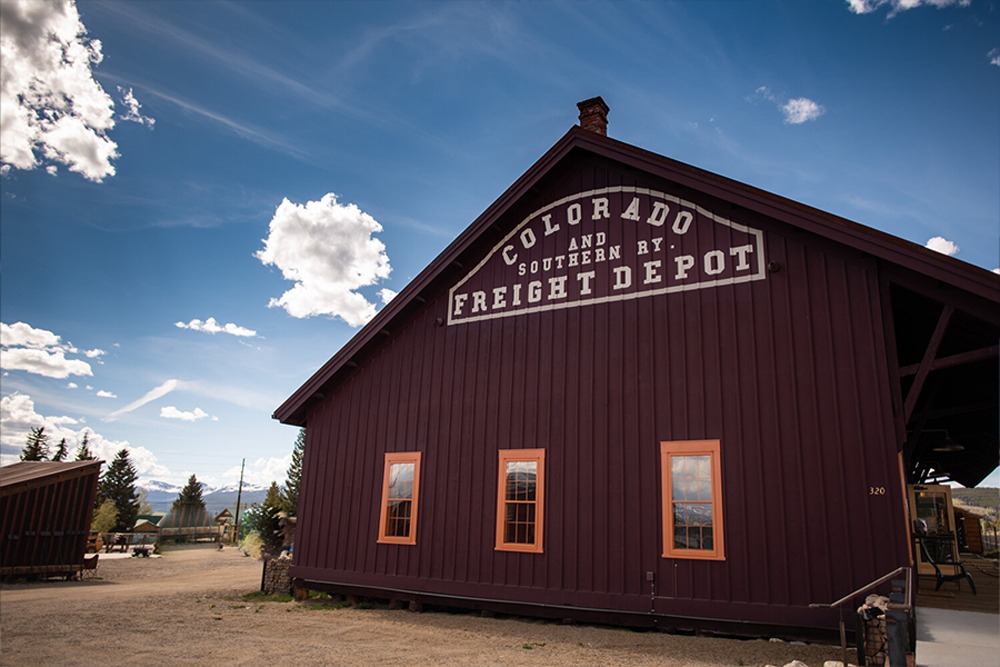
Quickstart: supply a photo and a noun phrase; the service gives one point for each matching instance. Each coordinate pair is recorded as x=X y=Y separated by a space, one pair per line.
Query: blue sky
x=208 y=204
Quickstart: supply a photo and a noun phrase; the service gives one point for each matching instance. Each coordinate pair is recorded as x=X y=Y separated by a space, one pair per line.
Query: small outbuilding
x=637 y=392
x=46 y=509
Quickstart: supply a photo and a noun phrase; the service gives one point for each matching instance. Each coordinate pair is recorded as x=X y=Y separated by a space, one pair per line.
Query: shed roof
x=975 y=289
x=26 y=475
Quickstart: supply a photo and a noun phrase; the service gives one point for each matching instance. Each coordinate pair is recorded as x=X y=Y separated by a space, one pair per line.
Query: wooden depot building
x=637 y=392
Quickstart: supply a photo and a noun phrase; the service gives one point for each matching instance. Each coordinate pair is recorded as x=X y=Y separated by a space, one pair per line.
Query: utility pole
x=239 y=495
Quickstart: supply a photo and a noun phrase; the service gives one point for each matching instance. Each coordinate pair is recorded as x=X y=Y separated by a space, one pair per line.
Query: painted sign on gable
x=610 y=244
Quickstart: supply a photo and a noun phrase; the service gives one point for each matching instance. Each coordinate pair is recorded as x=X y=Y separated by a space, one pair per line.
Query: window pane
x=694 y=538
x=398 y=518
x=680 y=537
x=702 y=467
x=706 y=515
x=401 y=480
x=521 y=476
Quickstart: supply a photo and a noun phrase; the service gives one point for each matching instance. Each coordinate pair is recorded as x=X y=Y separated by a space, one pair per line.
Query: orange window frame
x=386 y=523
x=670 y=450
x=521 y=507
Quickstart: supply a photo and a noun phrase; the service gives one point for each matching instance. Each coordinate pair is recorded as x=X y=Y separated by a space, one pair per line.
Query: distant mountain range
x=161 y=495
x=986 y=497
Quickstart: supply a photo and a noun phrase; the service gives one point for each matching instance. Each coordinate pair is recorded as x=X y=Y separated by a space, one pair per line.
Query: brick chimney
x=594 y=115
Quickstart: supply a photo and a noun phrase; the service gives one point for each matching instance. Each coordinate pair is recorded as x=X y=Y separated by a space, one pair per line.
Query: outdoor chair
x=957 y=569
x=89 y=566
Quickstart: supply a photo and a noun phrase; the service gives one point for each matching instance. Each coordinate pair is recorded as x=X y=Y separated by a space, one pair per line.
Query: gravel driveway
x=188 y=608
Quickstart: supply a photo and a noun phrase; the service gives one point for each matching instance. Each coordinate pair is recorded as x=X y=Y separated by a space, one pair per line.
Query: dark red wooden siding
x=789 y=373
x=44 y=522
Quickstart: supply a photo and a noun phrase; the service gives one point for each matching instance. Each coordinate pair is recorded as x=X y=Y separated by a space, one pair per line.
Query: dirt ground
x=187 y=608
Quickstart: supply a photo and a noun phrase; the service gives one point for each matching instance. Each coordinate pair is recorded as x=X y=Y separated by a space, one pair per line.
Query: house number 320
x=876 y=490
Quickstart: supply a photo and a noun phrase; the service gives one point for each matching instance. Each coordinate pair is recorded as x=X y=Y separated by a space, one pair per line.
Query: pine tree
x=290 y=494
x=61 y=451
x=189 y=506
x=118 y=485
x=36 y=447
x=83 y=452
x=264 y=520
x=190 y=495
x=273 y=498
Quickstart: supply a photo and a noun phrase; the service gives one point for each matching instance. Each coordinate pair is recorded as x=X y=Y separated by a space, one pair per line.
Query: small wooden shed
x=637 y=392
x=45 y=512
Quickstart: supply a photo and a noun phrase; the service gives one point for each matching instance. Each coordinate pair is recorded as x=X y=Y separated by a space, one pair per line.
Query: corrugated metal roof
x=25 y=475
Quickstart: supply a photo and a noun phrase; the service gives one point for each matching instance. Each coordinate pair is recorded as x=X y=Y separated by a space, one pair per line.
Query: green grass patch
x=258 y=596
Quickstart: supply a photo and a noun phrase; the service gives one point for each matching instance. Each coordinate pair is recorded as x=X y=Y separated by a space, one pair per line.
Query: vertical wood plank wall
x=788 y=373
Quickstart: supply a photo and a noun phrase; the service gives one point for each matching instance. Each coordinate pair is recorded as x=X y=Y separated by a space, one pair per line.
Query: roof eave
x=894 y=250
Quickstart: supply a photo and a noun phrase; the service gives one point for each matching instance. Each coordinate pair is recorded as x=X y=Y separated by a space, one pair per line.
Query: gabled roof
x=27 y=475
x=897 y=252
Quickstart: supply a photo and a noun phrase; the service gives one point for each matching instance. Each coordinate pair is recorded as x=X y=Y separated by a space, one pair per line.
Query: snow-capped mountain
x=161 y=495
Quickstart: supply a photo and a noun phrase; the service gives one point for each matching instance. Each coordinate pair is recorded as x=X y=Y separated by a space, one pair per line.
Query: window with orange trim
x=400 y=492
x=691 y=475
x=521 y=500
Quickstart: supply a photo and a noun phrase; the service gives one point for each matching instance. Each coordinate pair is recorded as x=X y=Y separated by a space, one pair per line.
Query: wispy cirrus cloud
x=251 y=133
x=150 y=396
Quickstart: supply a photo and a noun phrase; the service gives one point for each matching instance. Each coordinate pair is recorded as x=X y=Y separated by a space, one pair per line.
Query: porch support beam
x=972 y=356
x=930 y=354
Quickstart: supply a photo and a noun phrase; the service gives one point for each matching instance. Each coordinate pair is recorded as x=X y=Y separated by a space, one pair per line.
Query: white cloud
x=897 y=6
x=387 y=294
x=329 y=251
x=20 y=334
x=994 y=56
x=171 y=412
x=796 y=110
x=211 y=326
x=801 y=110
x=41 y=362
x=942 y=245
x=49 y=101
x=132 y=109
x=25 y=348
x=150 y=396
x=997 y=270
x=262 y=471
x=72 y=385
x=18 y=416
x=105 y=394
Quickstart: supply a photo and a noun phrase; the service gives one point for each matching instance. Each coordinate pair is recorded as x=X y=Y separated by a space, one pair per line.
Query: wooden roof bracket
x=930 y=354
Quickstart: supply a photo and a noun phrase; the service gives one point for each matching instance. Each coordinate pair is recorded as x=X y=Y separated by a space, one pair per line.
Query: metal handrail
x=864 y=589
x=867 y=587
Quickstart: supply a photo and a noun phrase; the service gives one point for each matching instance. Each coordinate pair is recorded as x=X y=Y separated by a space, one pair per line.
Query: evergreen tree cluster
x=36 y=447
